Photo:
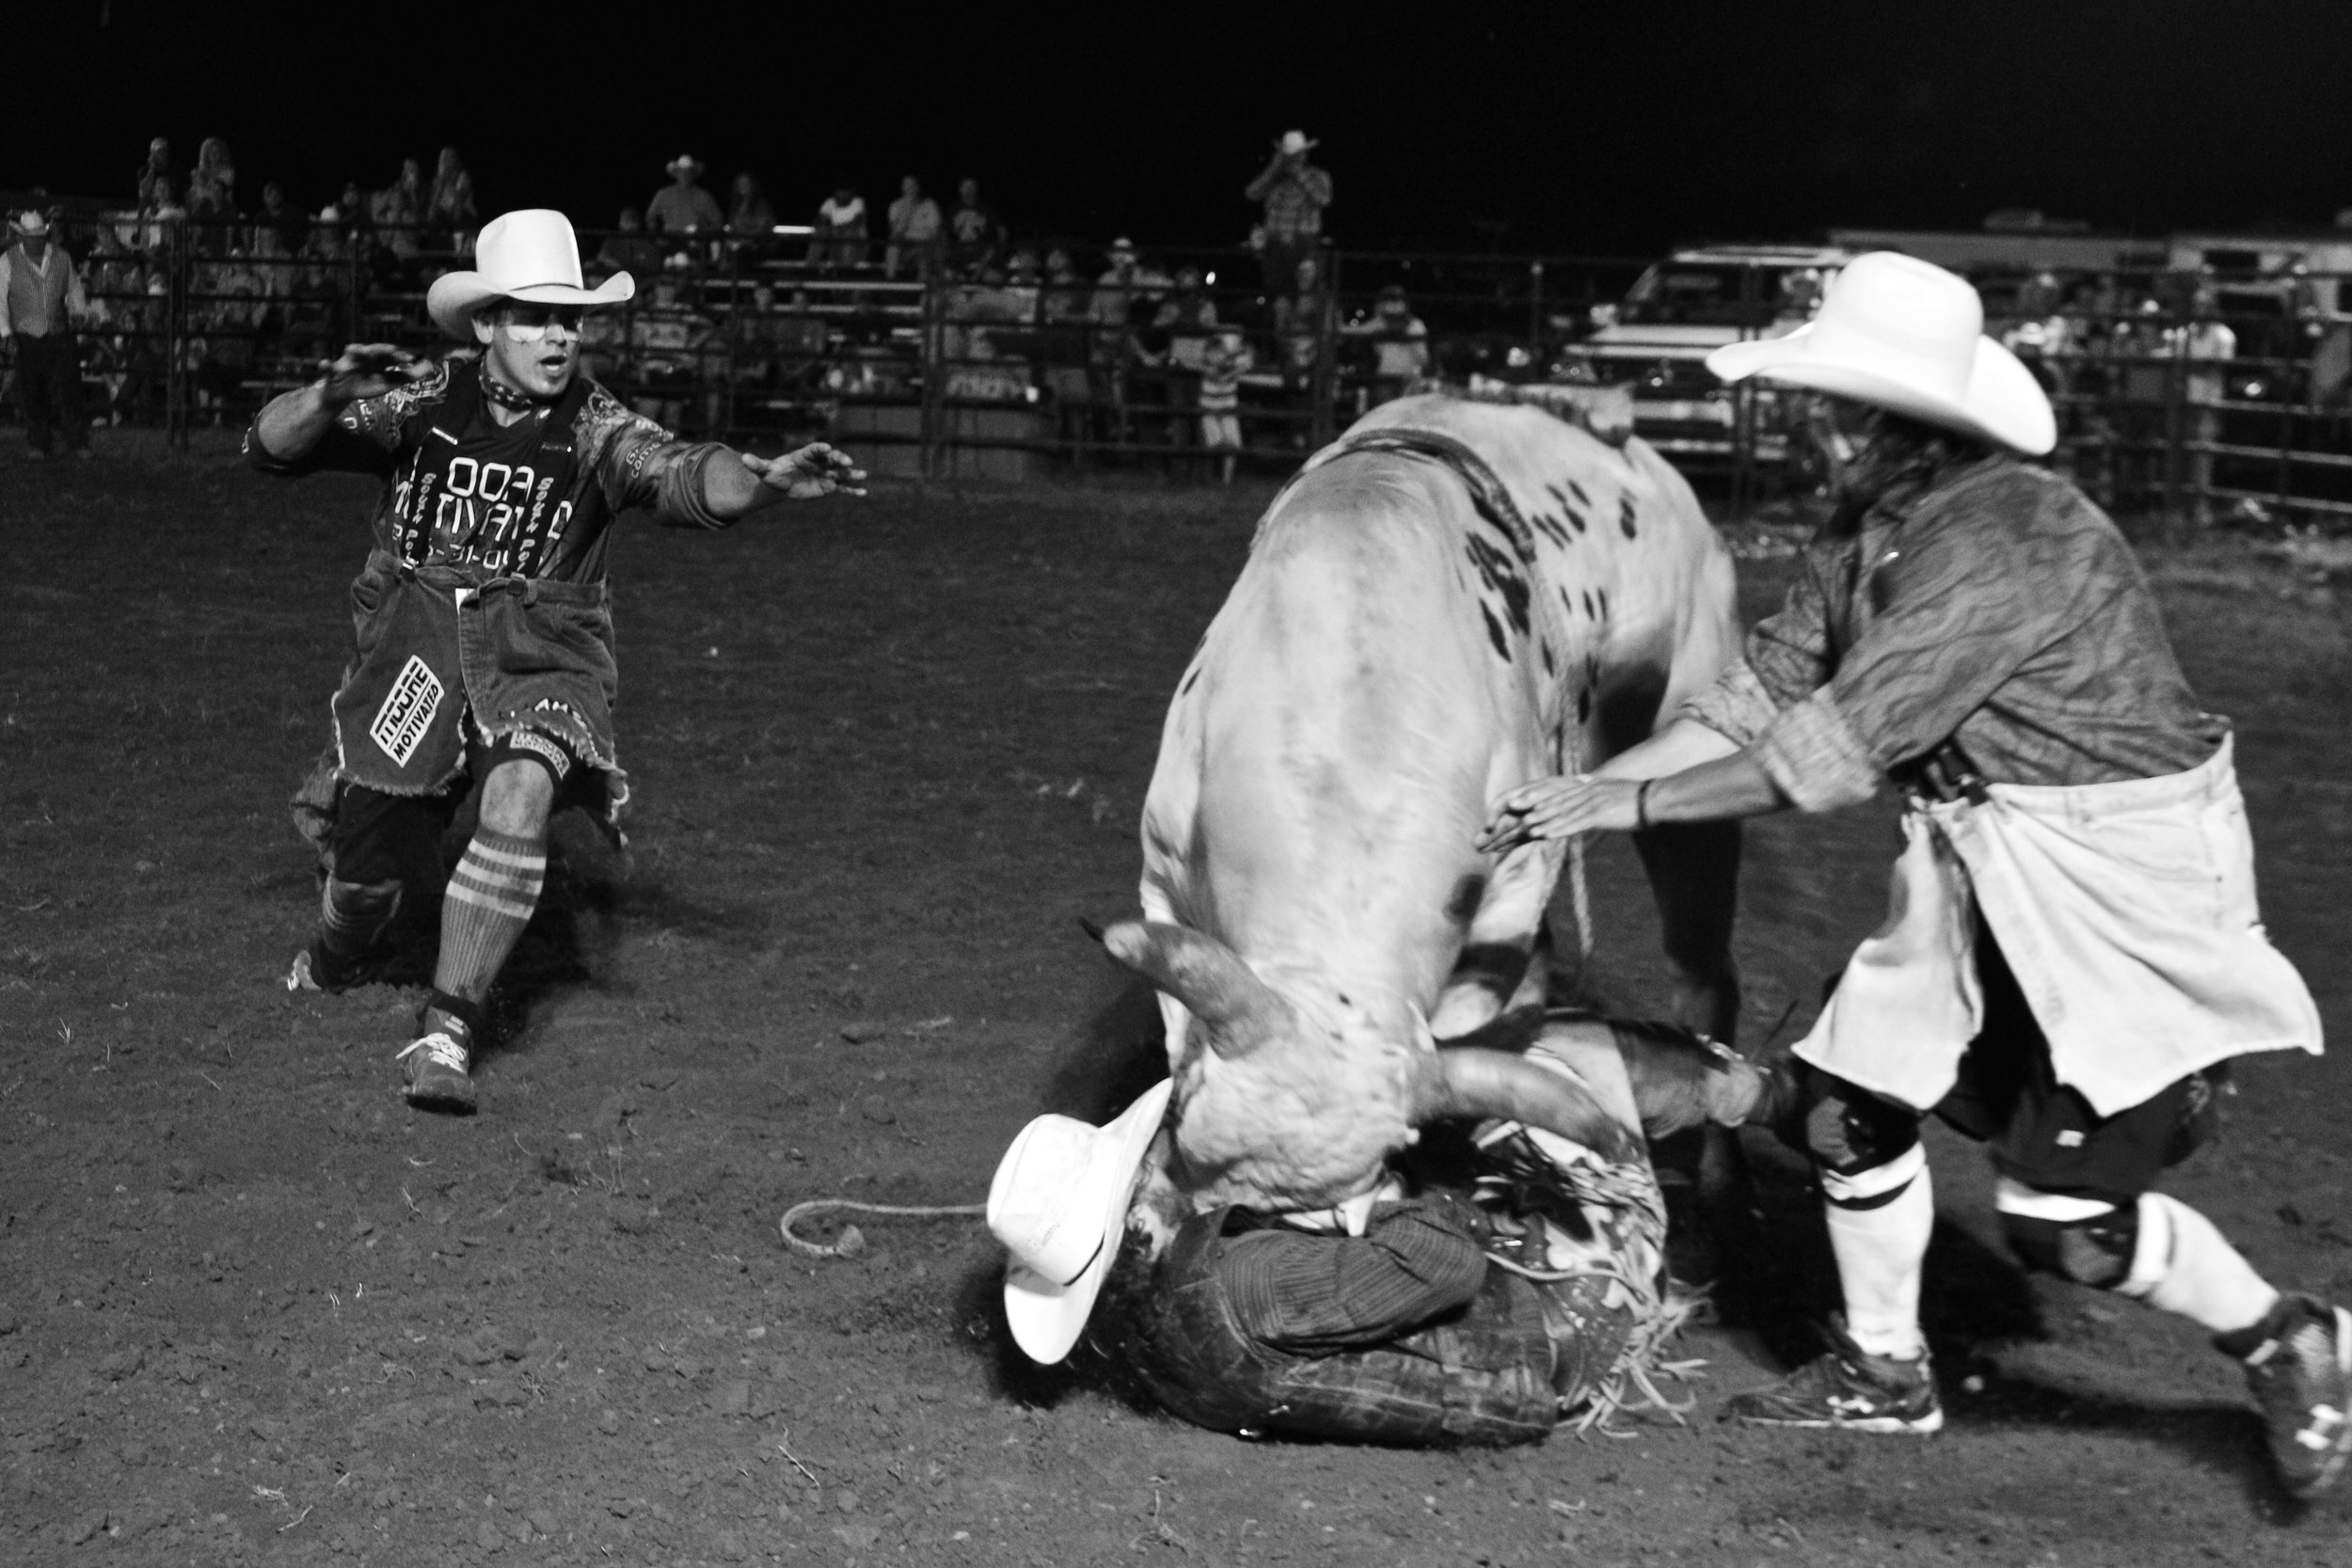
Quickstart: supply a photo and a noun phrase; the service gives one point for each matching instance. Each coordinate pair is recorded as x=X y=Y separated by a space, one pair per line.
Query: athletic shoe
x=2301 y=1375
x=438 y=1077
x=299 y=975
x=1849 y=1388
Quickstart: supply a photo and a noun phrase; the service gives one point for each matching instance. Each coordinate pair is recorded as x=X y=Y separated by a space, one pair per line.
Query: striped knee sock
x=490 y=899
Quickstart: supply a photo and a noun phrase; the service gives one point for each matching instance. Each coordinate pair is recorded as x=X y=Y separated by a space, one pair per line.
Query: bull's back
x=1327 y=754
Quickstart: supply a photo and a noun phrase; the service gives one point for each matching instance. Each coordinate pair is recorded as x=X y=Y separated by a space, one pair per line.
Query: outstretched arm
x=1724 y=789
x=292 y=423
x=737 y=489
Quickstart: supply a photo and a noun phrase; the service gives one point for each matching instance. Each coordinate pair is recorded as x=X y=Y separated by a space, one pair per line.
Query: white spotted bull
x=1456 y=597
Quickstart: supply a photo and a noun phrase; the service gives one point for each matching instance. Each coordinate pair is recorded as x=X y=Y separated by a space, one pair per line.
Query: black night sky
x=1592 y=128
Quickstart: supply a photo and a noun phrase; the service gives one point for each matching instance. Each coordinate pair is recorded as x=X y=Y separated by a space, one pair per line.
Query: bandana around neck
x=507 y=397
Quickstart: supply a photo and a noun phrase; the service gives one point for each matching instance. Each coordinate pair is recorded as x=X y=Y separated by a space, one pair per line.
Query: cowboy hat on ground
x=1059 y=1204
x=529 y=256
x=1906 y=336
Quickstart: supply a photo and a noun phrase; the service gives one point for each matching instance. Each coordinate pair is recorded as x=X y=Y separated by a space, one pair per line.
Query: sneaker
x=438 y=1076
x=1848 y=1389
x=301 y=976
x=2301 y=1375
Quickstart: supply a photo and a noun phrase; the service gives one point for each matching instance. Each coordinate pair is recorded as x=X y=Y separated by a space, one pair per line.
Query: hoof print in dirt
x=634 y=1219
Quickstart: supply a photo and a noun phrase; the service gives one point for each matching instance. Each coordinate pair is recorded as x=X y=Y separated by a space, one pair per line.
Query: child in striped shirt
x=1222 y=365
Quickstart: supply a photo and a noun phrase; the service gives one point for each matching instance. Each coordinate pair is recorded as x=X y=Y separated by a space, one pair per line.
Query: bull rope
x=828 y=1205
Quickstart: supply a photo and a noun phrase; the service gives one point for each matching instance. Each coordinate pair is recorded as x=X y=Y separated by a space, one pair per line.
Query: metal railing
x=1195 y=361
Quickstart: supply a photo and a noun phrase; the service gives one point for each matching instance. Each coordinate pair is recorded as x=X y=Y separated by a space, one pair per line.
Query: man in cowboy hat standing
x=2072 y=952
x=41 y=297
x=682 y=206
x=1294 y=193
x=484 y=640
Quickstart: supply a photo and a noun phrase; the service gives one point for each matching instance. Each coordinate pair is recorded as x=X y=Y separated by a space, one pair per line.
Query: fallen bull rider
x=1486 y=1289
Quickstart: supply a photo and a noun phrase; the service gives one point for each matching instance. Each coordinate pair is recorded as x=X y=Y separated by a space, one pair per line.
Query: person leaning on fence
x=2072 y=951
x=485 y=637
x=2206 y=342
x=40 y=300
x=1223 y=364
x=450 y=205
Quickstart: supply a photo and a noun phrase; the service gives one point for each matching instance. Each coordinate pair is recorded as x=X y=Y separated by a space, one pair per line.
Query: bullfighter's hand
x=1561 y=807
x=816 y=470
x=366 y=370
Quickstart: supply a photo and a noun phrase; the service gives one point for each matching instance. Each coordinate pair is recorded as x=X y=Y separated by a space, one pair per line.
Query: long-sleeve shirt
x=679 y=209
x=1995 y=607
x=1295 y=195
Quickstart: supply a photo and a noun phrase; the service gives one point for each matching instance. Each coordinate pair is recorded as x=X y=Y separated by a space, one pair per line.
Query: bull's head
x=1293 y=1101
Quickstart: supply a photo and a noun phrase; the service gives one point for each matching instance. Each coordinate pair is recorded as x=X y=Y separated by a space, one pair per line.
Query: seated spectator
x=975 y=227
x=839 y=240
x=287 y=224
x=753 y=216
x=631 y=250
x=682 y=206
x=212 y=198
x=159 y=165
x=1400 y=343
x=450 y=205
x=915 y=230
x=666 y=342
x=399 y=210
x=1226 y=361
x=779 y=348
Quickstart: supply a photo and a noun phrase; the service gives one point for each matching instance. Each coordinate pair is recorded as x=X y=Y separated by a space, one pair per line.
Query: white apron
x=2127 y=913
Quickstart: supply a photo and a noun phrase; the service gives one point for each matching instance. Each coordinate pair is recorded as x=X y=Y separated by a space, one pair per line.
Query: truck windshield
x=1680 y=293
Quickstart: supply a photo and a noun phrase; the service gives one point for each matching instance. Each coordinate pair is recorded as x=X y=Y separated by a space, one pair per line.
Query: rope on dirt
x=828 y=1205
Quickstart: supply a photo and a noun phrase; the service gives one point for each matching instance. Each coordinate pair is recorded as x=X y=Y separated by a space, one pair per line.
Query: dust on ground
x=887 y=754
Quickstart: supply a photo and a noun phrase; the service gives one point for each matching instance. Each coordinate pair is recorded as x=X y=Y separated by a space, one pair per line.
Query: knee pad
x=1848 y=1131
x=355 y=914
x=2084 y=1240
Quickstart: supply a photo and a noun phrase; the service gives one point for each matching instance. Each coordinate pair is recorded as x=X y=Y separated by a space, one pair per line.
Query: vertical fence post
x=934 y=355
x=1536 y=308
x=176 y=334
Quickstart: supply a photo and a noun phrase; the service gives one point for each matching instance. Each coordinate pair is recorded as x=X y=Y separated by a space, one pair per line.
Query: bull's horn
x=1681 y=1080
x=1239 y=1011
x=1471 y=1082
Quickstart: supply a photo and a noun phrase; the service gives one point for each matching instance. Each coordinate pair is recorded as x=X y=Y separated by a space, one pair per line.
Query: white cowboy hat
x=684 y=160
x=30 y=223
x=530 y=256
x=1905 y=335
x=1060 y=1206
x=1295 y=142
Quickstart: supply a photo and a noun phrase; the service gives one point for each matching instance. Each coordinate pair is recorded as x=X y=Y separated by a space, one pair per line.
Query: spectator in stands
x=666 y=342
x=839 y=237
x=778 y=348
x=1188 y=317
x=399 y=210
x=1400 y=343
x=1125 y=290
x=915 y=230
x=449 y=207
x=753 y=216
x=631 y=250
x=159 y=165
x=1303 y=322
x=682 y=206
x=41 y=299
x=1062 y=301
x=2205 y=340
x=212 y=184
x=975 y=227
x=1226 y=361
x=159 y=215
x=287 y=224
x=1294 y=193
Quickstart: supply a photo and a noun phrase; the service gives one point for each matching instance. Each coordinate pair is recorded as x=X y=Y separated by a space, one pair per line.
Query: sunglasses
x=528 y=323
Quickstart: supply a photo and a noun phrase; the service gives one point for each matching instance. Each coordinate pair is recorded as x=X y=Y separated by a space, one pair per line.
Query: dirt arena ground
x=887 y=754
